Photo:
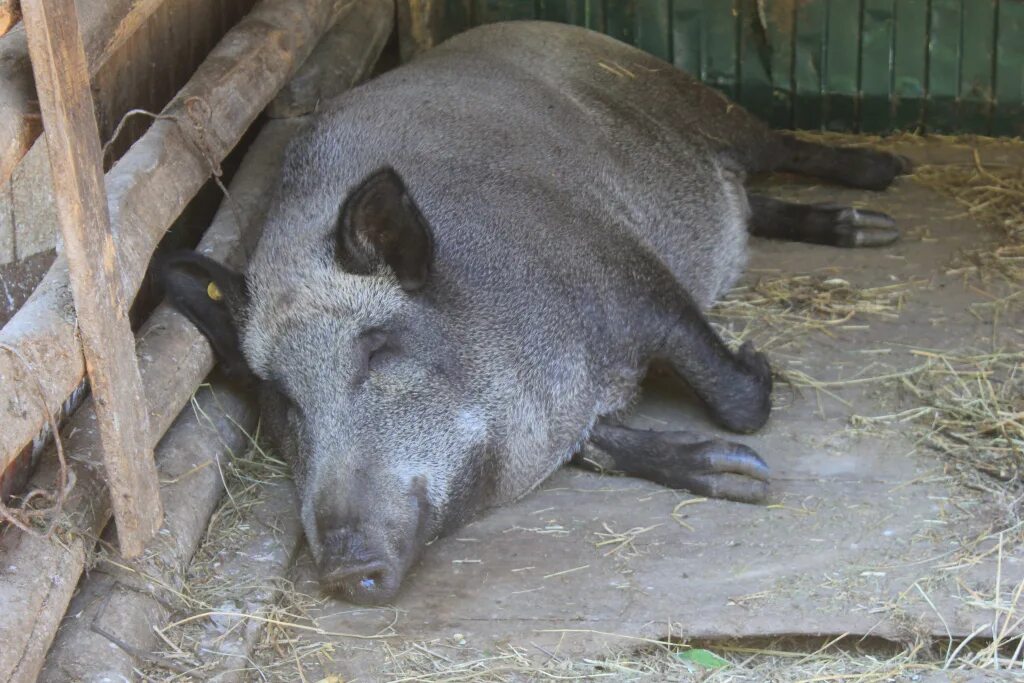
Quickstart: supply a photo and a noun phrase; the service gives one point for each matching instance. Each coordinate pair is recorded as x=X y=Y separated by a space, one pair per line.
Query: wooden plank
x=62 y=83
x=148 y=188
x=105 y=26
x=40 y=575
x=419 y=26
x=122 y=597
x=10 y=14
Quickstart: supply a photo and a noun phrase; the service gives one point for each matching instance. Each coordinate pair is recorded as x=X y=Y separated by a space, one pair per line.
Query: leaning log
x=41 y=575
x=148 y=188
x=106 y=26
x=116 y=609
x=119 y=602
x=337 y=62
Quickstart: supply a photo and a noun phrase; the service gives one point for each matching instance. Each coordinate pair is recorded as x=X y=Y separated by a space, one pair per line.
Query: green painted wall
x=850 y=65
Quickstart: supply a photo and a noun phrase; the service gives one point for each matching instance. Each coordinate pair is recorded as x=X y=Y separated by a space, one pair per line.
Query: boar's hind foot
x=679 y=459
x=829 y=224
x=867 y=169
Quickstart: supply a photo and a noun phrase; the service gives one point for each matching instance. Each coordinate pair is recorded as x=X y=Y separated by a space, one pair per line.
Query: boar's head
x=361 y=386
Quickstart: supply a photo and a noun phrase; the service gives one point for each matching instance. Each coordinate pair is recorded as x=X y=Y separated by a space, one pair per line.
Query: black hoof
x=722 y=469
x=861 y=228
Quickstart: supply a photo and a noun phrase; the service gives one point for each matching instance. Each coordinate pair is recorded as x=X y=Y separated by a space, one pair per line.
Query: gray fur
x=576 y=188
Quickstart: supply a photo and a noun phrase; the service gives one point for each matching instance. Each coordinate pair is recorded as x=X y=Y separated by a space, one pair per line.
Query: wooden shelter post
x=72 y=138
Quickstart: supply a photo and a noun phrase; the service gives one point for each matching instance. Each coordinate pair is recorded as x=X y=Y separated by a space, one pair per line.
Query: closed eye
x=378 y=348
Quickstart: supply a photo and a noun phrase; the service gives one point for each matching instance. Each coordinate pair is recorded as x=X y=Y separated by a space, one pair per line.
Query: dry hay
x=994 y=197
x=782 y=309
x=968 y=408
x=843 y=658
x=206 y=595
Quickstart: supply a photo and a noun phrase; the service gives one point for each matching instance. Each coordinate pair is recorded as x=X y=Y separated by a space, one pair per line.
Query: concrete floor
x=865 y=532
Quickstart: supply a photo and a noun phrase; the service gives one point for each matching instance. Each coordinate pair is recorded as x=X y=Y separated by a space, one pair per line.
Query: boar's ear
x=379 y=220
x=211 y=296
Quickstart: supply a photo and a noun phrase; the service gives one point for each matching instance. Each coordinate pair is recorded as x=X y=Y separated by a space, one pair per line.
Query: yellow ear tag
x=213 y=291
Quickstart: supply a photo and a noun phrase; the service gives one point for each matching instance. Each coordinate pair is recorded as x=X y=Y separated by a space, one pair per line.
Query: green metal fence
x=856 y=65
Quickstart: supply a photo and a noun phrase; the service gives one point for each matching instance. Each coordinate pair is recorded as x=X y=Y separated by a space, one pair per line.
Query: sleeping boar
x=471 y=261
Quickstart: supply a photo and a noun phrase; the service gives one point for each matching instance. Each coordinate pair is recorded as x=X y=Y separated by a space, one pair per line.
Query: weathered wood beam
x=150 y=186
x=76 y=162
x=419 y=26
x=10 y=14
x=126 y=601
x=130 y=615
x=339 y=60
x=105 y=26
x=40 y=576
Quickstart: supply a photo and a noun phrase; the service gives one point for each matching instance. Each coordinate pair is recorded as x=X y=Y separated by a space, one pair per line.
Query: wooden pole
x=419 y=26
x=149 y=187
x=10 y=13
x=105 y=26
x=72 y=138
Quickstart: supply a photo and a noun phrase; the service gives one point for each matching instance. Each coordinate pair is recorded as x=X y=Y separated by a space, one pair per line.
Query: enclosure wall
x=848 y=65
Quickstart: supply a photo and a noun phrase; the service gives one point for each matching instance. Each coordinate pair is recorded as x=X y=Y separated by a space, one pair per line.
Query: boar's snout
x=365 y=543
x=350 y=567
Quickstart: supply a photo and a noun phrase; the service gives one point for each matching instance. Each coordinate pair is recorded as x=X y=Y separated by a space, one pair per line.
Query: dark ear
x=380 y=221
x=211 y=296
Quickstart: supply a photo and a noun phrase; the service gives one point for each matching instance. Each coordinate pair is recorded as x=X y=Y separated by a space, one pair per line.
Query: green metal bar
x=1008 y=118
x=755 y=83
x=653 y=29
x=488 y=11
x=944 y=50
x=780 y=19
x=979 y=18
x=876 y=61
x=809 y=63
x=842 y=64
x=566 y=11
x=687 y=16
x=910 y=63
x=457 y=17
x=718 y=46
x=620 y=16
x=593 y=14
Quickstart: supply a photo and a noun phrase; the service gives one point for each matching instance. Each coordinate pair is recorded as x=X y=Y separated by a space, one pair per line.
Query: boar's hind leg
x=867 y=169
x=837 y=226
x=678 y=459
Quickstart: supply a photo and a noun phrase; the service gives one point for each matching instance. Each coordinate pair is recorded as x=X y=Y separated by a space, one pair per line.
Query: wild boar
x=468 y=267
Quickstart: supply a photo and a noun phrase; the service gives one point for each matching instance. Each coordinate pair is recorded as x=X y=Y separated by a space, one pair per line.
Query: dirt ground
x=886 y=551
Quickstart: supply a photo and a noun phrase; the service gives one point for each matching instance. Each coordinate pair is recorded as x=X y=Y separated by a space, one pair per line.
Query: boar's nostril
x=369 y=583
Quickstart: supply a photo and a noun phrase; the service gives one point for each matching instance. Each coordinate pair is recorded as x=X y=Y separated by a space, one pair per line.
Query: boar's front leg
x=735 y=386
x=696 y=462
